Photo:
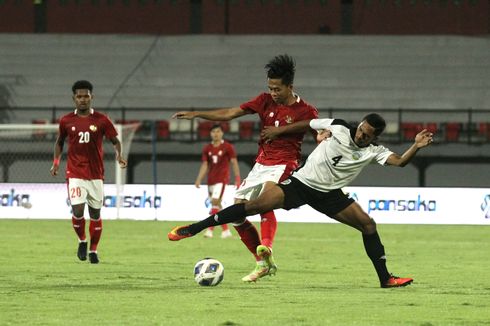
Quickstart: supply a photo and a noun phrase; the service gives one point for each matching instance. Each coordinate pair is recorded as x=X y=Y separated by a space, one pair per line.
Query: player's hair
x=281 y=67
x=376 y=121
x=82 y=84
x=216 y=126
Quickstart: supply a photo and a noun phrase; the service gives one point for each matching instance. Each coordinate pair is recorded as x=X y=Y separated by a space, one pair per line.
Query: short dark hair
x=82 y=84
x=216 y=126
x=281 y=67
x=376 y=121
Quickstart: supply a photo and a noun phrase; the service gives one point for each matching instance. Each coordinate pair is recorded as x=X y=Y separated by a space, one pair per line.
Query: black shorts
x=297 y=194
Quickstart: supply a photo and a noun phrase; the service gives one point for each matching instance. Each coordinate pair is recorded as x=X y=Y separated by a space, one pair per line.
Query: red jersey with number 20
x=218 y=158
x=85 y=136
x=286 y=148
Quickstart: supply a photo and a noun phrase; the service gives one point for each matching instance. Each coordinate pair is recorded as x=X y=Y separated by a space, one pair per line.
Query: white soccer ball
x=209 y=272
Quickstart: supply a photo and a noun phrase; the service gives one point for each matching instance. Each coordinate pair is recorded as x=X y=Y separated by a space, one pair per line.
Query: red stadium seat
x=431 y=126
x=163 y=130
x=246 y=129
x=410 y=129
x=204 y=128
x=452 y=131
x=484 y=129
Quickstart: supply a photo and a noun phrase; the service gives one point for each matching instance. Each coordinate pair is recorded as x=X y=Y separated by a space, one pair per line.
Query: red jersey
x=85 y=135
x=218 y=158
x=286 y=148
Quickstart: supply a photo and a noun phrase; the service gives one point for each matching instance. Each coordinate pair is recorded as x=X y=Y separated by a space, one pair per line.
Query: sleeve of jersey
x=382 y=154
x=256 y=104
x=110 y=130
x=62 y=129
x=320 y=124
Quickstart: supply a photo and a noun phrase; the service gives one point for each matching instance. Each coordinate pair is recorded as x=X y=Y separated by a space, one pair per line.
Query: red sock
x=213 y=211
x=95 y=229
x=224 y=227
x=268 y=227
x=249 y=236
x=79 y=227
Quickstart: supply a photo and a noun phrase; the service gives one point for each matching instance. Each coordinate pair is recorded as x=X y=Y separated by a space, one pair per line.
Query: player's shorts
x=297 y=194
x=216 y=191
x=82 y=191
x=252 y=185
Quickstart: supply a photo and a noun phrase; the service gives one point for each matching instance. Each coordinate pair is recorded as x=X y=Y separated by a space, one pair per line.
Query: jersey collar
x=91 y=111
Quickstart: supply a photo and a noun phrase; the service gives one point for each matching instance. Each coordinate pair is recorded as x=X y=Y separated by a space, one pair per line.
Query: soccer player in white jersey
x=333 y=164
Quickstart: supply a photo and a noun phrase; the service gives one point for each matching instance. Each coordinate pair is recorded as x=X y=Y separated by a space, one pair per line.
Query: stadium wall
x=393 y=205
x=170 y=17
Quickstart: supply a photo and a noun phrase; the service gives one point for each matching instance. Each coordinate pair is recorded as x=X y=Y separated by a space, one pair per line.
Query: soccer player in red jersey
x=276 y=159
x=85 y=129
x=216 y=158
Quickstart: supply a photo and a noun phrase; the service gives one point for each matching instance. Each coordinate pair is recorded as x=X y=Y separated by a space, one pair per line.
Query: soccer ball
x=208 y=272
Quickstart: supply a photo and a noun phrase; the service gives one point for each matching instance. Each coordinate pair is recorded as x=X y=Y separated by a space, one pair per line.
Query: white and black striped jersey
x=336 y=161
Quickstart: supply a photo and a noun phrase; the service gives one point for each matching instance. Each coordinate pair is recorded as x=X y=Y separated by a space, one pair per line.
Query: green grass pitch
x=324 y=277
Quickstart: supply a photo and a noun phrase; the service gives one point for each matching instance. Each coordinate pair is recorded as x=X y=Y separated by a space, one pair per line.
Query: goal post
x=27 y=156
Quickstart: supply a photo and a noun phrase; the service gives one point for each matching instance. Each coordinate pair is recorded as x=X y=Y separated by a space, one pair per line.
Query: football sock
x=213 y=211
x=249 y=236
x=230 y=214
x=79 y=227
x=268 y=227
x=95 y=229
x=376 y=252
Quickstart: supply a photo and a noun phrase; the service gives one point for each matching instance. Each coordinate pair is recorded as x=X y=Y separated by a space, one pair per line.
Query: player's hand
x=424 y=138
x=238 y=182
x=197 y=184
x=269 y=133
x=187 y=115
x=322 y=135
x=54 y=170
x=122 y=162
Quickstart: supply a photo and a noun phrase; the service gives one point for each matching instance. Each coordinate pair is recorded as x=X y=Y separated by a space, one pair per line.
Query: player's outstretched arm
x=422 y=139
x=213 y=115
x=269 y=133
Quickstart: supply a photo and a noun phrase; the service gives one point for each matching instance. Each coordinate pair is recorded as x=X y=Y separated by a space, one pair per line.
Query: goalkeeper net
x=27 y=188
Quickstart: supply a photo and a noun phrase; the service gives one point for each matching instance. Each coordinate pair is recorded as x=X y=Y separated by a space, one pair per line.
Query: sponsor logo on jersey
x=356 y=156
x=288 y=119
x=93 y=128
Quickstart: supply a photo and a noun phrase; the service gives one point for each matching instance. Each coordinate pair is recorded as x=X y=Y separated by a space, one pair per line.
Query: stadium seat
x=453 y=130
x=484 y=130
x=411 y=129
x=246 y=129
x=203 y=129
x=431 y=126
x=163 y=130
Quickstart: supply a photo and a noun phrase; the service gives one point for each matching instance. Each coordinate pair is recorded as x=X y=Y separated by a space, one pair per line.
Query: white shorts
x=82 y=191
x=252 y=185
x=216 y=191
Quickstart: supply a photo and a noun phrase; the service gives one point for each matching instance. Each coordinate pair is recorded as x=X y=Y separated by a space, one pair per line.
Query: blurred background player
x=275 y=160
x=85 y=129
x=216 y=158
